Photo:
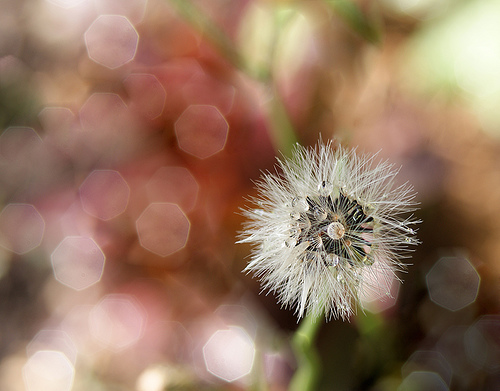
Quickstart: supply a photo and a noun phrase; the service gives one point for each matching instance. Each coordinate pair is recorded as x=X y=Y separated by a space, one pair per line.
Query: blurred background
x=131 y=133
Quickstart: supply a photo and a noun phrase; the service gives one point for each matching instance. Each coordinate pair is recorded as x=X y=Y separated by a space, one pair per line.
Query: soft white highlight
x=327 y=223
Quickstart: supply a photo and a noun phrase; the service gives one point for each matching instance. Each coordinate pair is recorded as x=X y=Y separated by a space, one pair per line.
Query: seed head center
x=335 y=230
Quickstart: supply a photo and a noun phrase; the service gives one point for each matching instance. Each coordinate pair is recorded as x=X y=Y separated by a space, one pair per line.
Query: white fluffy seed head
x=325 y=222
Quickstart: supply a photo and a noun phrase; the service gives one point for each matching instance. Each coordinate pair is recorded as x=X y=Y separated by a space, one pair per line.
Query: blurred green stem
x=351 y=13
x=214 y=34
x=308 y=361
x=282 y=132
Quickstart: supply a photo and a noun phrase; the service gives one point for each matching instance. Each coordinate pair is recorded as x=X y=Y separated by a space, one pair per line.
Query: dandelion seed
x=328 y=222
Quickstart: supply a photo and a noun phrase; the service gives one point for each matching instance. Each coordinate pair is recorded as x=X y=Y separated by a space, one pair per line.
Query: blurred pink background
x=132 y=132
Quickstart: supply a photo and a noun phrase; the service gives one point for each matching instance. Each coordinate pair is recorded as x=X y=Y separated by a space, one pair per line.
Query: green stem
x=282 y=132
x=308 y=361
x=213 y=33
x=352 y=14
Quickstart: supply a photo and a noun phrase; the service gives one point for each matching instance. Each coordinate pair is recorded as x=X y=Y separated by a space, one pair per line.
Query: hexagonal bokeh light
x=104 y=194
x=423 y=380
x=78 y=262
x=201 y=130
x=48 y=370
x=229 y=354
x=117 y=321
x=21 y=228
x=57 y=340
x=175 y=185
x=163 y=228
x=18 y=143
x=453 y=283
x=146 y=93
x=111 y=41
x=429 y=361
x=482 y=343
x=155 y=378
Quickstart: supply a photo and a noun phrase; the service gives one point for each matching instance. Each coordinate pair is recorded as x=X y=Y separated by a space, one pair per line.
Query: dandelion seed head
x=323 y=221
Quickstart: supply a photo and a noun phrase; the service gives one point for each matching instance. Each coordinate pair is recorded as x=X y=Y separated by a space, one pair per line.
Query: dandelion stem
x=308 y=360
x=282 y=131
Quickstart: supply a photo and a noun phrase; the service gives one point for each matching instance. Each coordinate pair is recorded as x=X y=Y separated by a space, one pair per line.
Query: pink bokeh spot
x=78 y=262
x=117 y=321
x=229 y=354
x=111 y=41
x=48 y=370
x=201 y=131
x=21 y=228
x=163 y=228
x=104 y=194
x=146 y=93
